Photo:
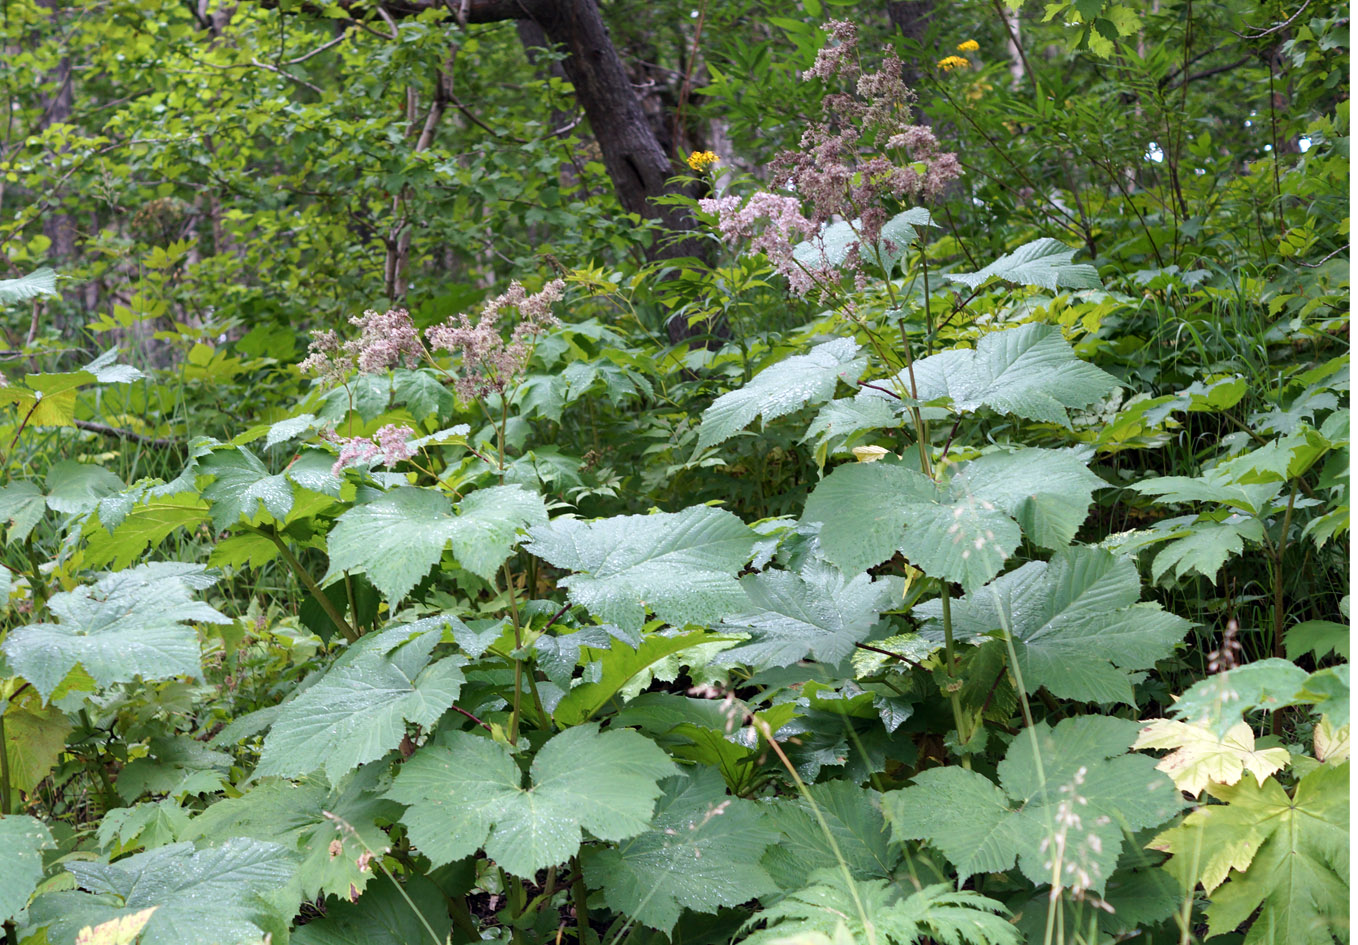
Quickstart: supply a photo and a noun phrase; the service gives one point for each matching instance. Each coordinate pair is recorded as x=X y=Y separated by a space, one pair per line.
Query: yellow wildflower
x=949 y=63
x=969 y=46
x=702 y=160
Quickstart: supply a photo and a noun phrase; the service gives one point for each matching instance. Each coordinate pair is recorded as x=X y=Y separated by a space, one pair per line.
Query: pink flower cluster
x=489 y=363
x=839 y=170
x=385 y=340
x=390 y=442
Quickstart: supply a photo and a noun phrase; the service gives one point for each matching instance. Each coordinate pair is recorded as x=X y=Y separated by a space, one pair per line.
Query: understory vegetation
x=916 y=513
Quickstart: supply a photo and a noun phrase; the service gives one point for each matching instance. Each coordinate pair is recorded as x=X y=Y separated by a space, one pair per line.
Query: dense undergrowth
x=977 y=571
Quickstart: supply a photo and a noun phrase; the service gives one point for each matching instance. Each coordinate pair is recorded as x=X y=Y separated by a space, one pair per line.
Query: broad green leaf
x=856 y=832
x=107 y=370
x=1029 y=371
x=875 y=911
x=963 y=529
x=619 y=666
x=782 y=388
x=1328 y=689
x=146 y=524
x=399 y=536
x=38 y=282
x=128 y=624
x=830 y=247
x=35 y=737
x=465 y=792
x=1261 y=848
x=680 y=565
x=1217 y=702
x=358 y=710
x=1070 y=788
x=1045 y=263
x=324 y=829
x=1075 y=623
x=1320 y=638
x=1206 y=548
x=214 y=896
x=1201 y=757
x=381 y=916
x=701 y=852
x=142 y=826
x=22 y=505
x=240 y=485
x=46 y=400
x=77 y=487
x=22 y=838
x=817 y=613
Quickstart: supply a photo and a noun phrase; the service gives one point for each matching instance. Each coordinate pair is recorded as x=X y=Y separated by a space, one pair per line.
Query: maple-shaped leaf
x=1218 y=701
x=240 y=485
x=831 y=245
x=325 y=829
x=23 y=839
x=679 y=565
x=962 y=529
x=1045 y=263
x=358 y=710
x=386 y=914
x=1075 y=623
x=1029 y=371
x=816 y=612
x=466 y=792
x=839 y=823
x=701 y=852
x=1262 y=850
x=397 y=537
x=1078 y=768
x=1201 y=757
x=782 y=388
x=214 y=896
x=129 y=624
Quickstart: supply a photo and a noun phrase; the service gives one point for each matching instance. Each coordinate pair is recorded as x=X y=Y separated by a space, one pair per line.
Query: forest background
x=891 y=483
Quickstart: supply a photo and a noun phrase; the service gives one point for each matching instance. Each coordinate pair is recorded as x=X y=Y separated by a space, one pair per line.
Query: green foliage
x=23 y=839
x=604 y=782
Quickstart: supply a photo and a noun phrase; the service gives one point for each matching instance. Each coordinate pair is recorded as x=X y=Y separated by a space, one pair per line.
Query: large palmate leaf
x=22 y=838
x=1200 y=757
x=782 y=388
x=77 y=487
x=1261 y=848
x=1079 y=767
x=831 y=245
x=1045 y=263
x=1029 y=371
x=240 y=485
x=382 y=916
x=129 y=624
x=876 y=911
x=701 y=852
x=817 y=613
x=679 y=565
x=399 y=536
x=214 y=896
x=465 y=792
x=856 y=834
x=38 y=282
x=324 y=829
x=357 y=711
x=1217 y=702
x=962 y=529
x=1075 y=623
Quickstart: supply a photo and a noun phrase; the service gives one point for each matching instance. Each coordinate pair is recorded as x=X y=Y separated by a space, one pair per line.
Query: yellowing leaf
x=115 y=931
x=1201 y=757
x=1331 y=743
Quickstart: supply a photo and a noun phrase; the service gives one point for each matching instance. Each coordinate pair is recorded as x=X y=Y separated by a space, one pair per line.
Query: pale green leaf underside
x=129 y=624
x=830 y=247
x=466 y=793
x=398 y=537
x=1044 y=263
x=782 y=388
x=681 y=566
x=22 y=838
x=358 y=710
x=38 y=282
x=701 y=852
